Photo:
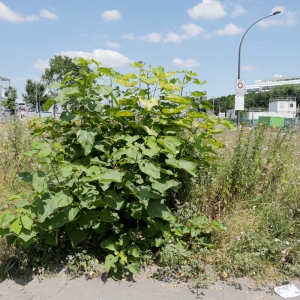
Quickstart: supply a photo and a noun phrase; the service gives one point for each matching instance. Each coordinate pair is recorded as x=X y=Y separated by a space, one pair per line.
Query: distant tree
x=10 y=101
x=36 y=94
x=59 y=66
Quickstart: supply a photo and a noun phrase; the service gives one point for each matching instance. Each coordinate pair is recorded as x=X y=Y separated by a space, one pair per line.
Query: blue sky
x=201 y=35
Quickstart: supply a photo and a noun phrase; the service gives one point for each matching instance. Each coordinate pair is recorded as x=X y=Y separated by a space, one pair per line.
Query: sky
x=198 y=35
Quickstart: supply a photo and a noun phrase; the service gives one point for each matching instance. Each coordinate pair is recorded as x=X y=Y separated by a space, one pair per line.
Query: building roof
x=4 y=79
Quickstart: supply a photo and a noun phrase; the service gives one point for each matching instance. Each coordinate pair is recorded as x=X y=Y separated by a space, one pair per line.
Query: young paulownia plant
x=112 y=158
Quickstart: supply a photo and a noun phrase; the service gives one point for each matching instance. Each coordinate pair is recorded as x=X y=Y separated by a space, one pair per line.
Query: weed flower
x=277 y=240
x=283 y=259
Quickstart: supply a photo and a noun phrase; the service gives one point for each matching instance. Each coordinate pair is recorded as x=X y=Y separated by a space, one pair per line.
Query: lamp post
x=239 y=60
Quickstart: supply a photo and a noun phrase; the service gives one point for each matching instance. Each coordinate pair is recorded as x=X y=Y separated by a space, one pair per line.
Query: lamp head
x=276 y=12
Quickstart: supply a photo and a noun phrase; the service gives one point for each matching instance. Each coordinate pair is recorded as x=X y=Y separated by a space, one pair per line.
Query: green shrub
x=113 y=161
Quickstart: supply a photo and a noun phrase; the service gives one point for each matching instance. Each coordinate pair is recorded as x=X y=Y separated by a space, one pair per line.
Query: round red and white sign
x=240 y=85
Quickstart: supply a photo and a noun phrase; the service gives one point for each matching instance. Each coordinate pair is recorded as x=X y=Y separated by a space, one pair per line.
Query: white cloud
x=172 y=38
x=108 y=58
x=112 y=45
x=208 y=35
x=238 y=10
x=152 y=37
x=191 y=30
x=111 y=15
x=9 y=15
x=207 y=9
x=19 y=79
x=189 y=63
x=48 y=14
x=229 y=29
x=128 y=36
x=41 y=64
x=286 y=17
x=249 y=68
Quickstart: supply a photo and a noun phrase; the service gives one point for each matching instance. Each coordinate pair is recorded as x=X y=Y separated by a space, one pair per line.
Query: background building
x=2 y=92
x=270 y=83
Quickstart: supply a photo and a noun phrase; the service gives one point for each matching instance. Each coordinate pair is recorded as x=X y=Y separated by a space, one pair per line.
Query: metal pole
x=252 y=110
x=36 y=101
x=239 y=59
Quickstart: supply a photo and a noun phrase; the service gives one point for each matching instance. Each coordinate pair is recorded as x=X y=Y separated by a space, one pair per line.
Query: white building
x=2 y=93
x=285 y=107
x=269 y=83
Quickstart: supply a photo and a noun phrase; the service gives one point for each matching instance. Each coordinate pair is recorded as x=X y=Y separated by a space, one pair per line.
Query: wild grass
x=254 y=188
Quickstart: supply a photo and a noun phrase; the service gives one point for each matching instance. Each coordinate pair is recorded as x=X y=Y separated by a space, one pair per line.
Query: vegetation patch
x=111 y=170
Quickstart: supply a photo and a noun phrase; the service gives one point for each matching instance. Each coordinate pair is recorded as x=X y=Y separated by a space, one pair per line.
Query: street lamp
x=239 y=61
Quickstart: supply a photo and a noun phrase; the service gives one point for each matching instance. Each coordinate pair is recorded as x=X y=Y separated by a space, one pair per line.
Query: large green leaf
x=113 y=200
x=105 y=89
x=124 y=113
x=92 y=106
x=110 y=261
x=108 y=215
x=66 y=170
x=16 y=226
x=67 y=214
x=126 y=82
x=176 y=110
x=186 y=165
x=62 y=198
x=86 y=138
x=162 y=185
x=171 y=144
x=26 y=234
x=92 y=200
x=111 y=176
x=110 y=244
x=157 y=209
x=133 y=268
x=154 y=131
x=149 y=169
x=178 y=99
x=141 y=192
x=149 y=103
x=6 y=218
x=88 y=218
x=169 y=86
x=131 y=152
x=25 y=177
x=27 y=222
x=38 y=181
x=69 y=117
x=77 y=235
x=47 y=105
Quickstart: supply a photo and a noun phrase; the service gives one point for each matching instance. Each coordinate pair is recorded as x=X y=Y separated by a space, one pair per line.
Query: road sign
x=239 y=102
x=240 y=87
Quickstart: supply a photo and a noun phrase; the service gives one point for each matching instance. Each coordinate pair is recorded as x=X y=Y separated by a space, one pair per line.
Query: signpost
x=239 y=95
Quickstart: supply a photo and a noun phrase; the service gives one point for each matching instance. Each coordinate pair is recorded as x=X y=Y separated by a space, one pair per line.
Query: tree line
x=38 y=92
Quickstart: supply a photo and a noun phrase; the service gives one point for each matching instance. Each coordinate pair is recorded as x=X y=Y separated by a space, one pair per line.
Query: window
x=291 y=104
